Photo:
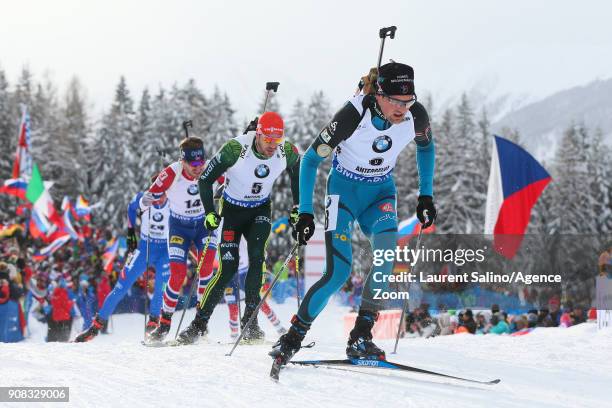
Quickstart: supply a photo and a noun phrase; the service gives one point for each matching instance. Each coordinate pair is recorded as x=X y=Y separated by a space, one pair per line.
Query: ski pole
x=270 y=86
x=265 y=295
x=383 y=33
x=146 y=291
x=186 y=125
x=405 y=303
x=238 y=299
x=194 y=283
x=297 y=277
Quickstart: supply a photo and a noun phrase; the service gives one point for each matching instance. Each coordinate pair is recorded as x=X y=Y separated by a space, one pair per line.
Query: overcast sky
x=522 y=47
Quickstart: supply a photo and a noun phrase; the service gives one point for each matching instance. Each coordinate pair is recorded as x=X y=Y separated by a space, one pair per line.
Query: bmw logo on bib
x=262 y=171
x=157 y=217
x=382 y=144
x=192 y=189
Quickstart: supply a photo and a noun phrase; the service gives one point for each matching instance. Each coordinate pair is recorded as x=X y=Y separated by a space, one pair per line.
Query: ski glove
x=212 y=220
x=132 y=241
x=426 y=211
x=304 y=228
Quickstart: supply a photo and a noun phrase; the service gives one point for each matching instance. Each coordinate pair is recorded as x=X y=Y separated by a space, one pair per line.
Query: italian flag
x=48 y=219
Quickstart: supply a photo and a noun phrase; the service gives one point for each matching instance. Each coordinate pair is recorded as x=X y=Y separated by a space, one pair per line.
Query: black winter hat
x=396 y=79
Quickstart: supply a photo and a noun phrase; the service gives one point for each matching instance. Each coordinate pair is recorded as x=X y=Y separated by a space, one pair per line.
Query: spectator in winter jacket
x=498 y=325
x=577 y=315
x=60 y=315
x=554 y=310
x=481 y=323
x=9 y=288
x=468 y=321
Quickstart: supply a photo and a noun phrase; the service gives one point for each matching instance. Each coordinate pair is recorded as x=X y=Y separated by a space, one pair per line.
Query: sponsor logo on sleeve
x=175 y=239
x=323 y=150
x=386 y=207
x=325 y=136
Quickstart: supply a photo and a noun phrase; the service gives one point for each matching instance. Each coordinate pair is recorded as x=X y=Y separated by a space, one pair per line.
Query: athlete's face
x=267 y=145
x=194 y=171
x=394 y=107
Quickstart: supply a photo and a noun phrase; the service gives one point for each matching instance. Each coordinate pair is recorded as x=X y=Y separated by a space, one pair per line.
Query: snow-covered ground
x=547 y=368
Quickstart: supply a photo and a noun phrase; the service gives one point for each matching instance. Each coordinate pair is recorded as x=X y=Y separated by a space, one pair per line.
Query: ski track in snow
x=547 y=368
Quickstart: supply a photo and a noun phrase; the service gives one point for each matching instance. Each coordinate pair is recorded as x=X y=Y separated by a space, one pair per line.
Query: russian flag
x=109 y=255
x=516 y=181
x=51 y=248
x=16 y=187
x=410 y=228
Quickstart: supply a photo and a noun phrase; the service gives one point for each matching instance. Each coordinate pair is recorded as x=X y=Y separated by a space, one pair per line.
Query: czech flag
x=516 y=181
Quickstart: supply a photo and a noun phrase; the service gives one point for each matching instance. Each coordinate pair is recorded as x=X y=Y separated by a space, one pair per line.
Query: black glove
x=304 y=228
x=252 y=126
x=212 y=220
x=426 y=208
x=132 y=241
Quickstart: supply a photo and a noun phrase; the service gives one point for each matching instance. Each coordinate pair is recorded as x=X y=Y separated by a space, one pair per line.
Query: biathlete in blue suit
x=154 y=230
x=366 y=137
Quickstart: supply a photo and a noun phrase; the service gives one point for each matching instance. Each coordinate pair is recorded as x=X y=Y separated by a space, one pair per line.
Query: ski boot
x=92 y=331
x=360 y=344
x=193 y=332
x=151 y=325
x=160 y=332
x=253 y=333
x=289 y=343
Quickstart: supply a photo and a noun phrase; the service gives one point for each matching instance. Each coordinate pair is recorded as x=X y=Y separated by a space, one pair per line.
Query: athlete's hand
x=426 y=211
x=252 y=126
x=132 y=241
x=304 y=228
x=212 y=220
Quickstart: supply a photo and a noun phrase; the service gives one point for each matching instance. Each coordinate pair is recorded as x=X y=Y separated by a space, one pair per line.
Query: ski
x=176 y=343
x=385 y=364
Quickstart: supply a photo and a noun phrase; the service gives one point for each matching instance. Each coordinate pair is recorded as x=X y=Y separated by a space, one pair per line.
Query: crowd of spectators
x=69 y=283
x=420 y=322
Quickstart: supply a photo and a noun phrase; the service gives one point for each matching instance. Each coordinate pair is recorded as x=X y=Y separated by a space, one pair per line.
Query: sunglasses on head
x=399 y=102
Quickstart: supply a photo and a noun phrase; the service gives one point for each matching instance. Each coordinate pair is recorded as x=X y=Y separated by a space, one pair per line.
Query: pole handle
x=387 y=32
x=272 y=86
x=186 y=125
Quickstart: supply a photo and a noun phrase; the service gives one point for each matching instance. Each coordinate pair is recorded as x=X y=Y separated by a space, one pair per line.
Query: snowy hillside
x=542 y=123
x=547 y=368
